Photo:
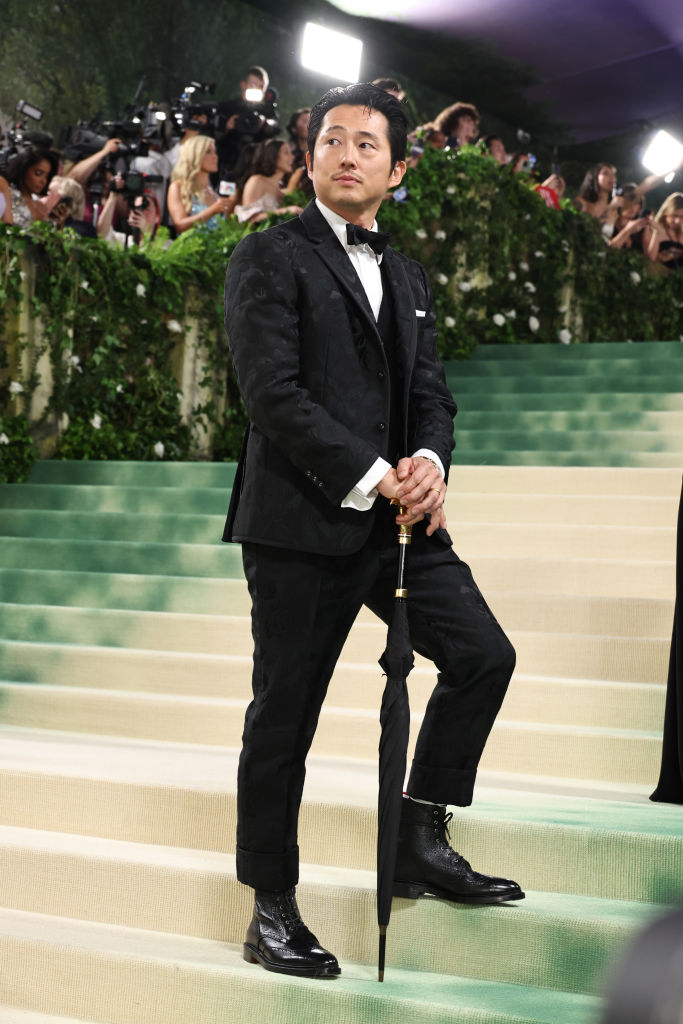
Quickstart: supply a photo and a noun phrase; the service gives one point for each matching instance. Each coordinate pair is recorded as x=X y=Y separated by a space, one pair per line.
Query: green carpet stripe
x=142 y=474
x=650 y=351
x=102 y=556
x=111 y=499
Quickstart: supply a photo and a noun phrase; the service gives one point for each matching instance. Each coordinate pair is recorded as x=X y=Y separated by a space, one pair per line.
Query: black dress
x=671 y=245
x=670 y=786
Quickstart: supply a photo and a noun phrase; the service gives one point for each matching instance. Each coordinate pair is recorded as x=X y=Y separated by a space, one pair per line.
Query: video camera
x=19 y=134
x=190 y=111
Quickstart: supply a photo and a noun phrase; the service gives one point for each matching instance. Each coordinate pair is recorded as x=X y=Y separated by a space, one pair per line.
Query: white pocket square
x=420 y=312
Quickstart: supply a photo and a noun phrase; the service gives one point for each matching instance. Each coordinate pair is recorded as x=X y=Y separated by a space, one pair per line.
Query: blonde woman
x=191 y=200
x=665 y=244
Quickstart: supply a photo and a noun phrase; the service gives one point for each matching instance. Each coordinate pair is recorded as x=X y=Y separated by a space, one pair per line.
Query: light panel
x=664 y=154
x=330 y=53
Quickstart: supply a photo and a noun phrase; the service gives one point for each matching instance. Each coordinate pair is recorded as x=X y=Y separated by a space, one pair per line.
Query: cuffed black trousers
x=303 y=607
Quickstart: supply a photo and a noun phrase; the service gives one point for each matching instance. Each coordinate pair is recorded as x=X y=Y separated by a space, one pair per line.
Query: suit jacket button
x=381 y=427
x=381 y=375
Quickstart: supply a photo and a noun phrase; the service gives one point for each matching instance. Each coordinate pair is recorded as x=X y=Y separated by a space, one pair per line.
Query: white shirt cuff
x=362 y=496
x=433 y=456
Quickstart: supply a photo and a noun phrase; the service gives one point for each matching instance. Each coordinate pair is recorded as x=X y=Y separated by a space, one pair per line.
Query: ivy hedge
x=503 y=266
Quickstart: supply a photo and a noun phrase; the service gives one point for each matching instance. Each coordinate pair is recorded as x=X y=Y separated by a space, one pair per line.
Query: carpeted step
x=629 y=754
x=540 y=539
x=147 y=642
x=119 y=556
x=620 y=846
x=133 y=474
x=599 y=421
x=484 y=456
x=13 y=1015
x=654 y=380
x=607 y=401
x=196 y=893
x=110 y=498
x=647 y=351
x=581 y=442
x=61 y=963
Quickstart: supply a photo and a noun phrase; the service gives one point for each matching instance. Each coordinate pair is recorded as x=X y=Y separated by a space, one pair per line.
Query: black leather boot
x=278 y=939
x=426 y=862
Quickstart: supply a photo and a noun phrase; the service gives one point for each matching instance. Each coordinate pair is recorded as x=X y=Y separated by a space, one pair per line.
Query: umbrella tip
x=382 y=951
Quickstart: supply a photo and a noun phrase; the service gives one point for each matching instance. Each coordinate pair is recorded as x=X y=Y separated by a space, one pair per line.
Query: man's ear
x=397 y=172
x=309 y=164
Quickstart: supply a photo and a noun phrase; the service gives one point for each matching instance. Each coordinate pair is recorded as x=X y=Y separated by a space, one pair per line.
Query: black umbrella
x=396 y=662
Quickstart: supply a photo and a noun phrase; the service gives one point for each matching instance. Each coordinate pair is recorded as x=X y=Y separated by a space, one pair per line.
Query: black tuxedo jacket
x=313 y=374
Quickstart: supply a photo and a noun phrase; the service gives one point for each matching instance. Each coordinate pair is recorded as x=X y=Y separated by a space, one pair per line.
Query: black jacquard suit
x=325 y=399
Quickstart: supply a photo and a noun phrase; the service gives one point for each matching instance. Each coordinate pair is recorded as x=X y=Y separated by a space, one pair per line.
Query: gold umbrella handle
x=404 y=537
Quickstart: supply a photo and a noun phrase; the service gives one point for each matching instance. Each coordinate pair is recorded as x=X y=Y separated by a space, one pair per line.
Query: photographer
x=84 y=169
x=29 y=174
x=251 y=117
x=65 y=201
x=143 y=217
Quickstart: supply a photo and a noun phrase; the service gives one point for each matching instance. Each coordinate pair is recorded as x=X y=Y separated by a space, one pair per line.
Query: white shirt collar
x=338 y=225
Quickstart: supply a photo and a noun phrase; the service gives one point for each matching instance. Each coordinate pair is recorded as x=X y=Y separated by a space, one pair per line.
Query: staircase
x=125 y=666
x=609 y=404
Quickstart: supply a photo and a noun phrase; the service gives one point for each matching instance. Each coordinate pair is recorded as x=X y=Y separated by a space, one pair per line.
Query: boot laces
x=442 y=831
x=287 y=906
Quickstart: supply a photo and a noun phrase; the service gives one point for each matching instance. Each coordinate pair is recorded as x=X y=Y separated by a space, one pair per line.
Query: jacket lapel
x=335 y=258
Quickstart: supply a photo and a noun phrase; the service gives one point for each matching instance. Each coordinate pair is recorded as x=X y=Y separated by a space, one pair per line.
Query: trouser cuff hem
x=270 y=871
x=439 y=786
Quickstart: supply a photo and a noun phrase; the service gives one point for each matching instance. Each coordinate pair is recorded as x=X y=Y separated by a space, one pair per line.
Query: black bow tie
x=377 y=240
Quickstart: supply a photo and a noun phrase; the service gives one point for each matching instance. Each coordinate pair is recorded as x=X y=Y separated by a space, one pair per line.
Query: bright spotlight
x=253 y=95
x=160 y=115
x=331 y=53
x=664 y=154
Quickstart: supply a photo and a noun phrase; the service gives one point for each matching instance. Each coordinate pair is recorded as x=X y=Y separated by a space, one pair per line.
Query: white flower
x=531 y=288
x=174 y=326
x=16 y=388
x=465 y=286
x=635 y=277
x=22 y=275
x=498 y=319
x=512 y=276
x=76 y=363
x=450 y=189
x=527 y=216
x=440 y=235
x=511 y=313
x=85 y=285
x=563 y=309
x=523 y=266
x=539 y=255
x=94 y=317
x=565 y=336
x=159 y=449
x=119 y=389
x=4 y=439
x=565 y=244
x=533 y=324
x=421 y=233
x=450 y=322
x=140 y=290
x=96 y=421
x=441 y=279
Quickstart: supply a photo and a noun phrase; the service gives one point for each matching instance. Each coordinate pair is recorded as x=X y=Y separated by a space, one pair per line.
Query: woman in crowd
x=665 y=244
x=191 y=200
x=5 y=202
x=68 y=210
x=631 y=228
x=297 y=127
x=597 y=195
x=269 y=178
x=29 y=174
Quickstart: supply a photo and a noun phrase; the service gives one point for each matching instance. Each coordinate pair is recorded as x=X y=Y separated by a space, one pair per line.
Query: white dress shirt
x=366 y=263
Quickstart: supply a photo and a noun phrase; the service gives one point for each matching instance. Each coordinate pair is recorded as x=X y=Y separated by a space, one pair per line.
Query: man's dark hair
x=363 y=94
x=447 y=120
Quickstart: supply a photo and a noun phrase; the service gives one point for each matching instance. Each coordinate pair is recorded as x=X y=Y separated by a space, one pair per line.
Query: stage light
x=160 y=115
x=253 y=95
x=664 y=154
x=331 y=53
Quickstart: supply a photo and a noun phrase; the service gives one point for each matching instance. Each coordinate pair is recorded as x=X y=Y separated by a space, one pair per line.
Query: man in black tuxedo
x=333 y=336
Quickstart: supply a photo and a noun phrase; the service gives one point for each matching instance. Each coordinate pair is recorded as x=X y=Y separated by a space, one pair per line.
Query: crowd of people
x=247 y=168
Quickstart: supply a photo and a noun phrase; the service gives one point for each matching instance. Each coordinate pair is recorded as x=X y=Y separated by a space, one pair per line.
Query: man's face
x=251 y=82
x=352 y=168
